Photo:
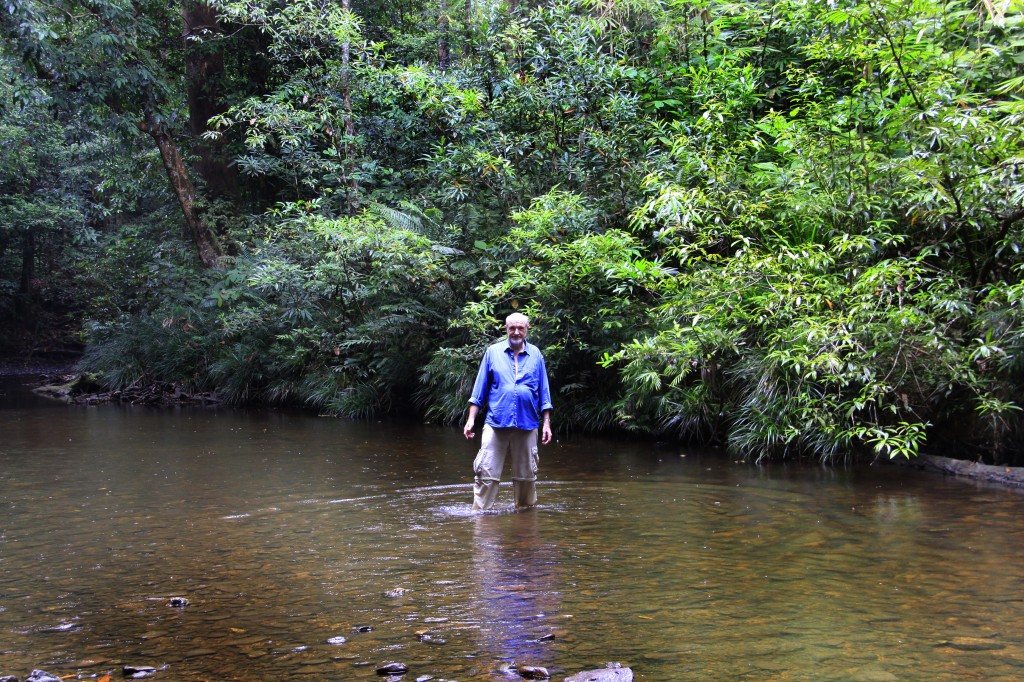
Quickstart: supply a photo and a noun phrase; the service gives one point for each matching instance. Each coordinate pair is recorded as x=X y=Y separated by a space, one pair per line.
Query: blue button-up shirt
x=513 y=400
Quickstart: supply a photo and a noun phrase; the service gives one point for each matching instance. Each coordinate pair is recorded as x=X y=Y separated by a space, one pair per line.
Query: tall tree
x=205 y=82
x=40 y=211
x=302 y=132
x=112 y=57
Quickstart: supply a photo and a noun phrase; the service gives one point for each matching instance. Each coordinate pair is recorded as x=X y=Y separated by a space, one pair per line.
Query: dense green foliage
x=791 y=227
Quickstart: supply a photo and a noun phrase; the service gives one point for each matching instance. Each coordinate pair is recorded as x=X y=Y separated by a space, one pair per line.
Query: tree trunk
x=204 y=71
x=28 y=262
x=442 y=41
x=23 y=300
x=206 y=242
x=351 y=186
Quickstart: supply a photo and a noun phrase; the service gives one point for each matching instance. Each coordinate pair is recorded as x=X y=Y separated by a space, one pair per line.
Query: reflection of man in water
x=517 y=602
x=513 y=382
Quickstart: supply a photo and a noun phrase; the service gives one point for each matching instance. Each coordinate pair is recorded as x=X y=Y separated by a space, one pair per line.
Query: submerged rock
x=873 y=673
x=619 y=674
x=74 y=385
x=42 y=676
x=336 y=640
x=430 y=639
x=974 y=644
x=138 y=672
x=392 y=669
x=178 y=602
x=8 y=678
x=534 y=672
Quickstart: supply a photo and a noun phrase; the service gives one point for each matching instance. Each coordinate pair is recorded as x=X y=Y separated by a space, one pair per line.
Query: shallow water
x=285 y=531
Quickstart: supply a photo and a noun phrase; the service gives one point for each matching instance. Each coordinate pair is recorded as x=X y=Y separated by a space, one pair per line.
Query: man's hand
x=467 y=430
x=545 y=433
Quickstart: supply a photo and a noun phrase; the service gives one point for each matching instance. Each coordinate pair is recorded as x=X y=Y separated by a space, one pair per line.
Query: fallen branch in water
x=1012 y=476
x=83 y=389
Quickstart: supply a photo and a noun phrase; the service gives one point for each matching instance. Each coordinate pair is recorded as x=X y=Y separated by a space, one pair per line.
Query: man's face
x=516 y=333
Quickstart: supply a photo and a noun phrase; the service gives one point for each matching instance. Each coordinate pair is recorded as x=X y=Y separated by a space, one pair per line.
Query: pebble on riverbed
x=42 y=676
x=534 y=672
x=138 y=672
x=36 y=676
x=615 y=672
x=392 y=669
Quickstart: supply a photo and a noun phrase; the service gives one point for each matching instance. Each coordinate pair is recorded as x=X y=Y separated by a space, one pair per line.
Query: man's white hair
x=517 y=317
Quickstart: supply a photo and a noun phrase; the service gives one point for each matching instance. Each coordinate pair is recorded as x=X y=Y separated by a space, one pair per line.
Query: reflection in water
x=517 y=586
x=286 y=532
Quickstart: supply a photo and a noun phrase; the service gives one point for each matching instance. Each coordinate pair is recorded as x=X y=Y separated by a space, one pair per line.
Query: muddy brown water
x=285 y=532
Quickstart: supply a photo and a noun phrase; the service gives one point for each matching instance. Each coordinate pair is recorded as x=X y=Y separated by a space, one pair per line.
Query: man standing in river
x=513 y=383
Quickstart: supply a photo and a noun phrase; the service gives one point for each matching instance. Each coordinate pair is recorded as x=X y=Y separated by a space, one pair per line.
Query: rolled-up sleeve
x=544 y=394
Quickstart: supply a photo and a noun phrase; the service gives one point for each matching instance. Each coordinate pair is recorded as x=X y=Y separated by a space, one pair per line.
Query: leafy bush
x=841 y=286
x=584 y=291
x=336 y=314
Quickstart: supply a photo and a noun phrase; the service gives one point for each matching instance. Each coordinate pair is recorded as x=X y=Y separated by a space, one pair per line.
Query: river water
x=318 y=549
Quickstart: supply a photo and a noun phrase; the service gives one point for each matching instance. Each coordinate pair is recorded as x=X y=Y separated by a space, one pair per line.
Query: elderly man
x=513 y=383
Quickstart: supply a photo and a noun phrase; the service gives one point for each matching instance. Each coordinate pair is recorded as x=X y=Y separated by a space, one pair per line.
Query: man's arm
x=476 y=398
x=545 y=431
x=545 y=403
x=467 y=430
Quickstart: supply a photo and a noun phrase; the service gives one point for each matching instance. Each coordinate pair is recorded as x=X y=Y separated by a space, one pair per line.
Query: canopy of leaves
x=792 y=228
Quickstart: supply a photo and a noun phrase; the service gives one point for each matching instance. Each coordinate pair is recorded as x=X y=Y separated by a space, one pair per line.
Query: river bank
x=1004 y=475
x=54 y=378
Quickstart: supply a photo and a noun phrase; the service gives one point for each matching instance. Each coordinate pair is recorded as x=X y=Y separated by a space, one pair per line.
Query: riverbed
x=220 y=544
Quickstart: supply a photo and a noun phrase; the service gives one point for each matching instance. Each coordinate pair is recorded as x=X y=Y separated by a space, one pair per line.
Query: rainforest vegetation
x=792 y=228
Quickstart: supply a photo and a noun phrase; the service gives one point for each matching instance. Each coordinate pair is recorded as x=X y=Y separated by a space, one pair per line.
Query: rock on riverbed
x=617 y=674
x=35 y=676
